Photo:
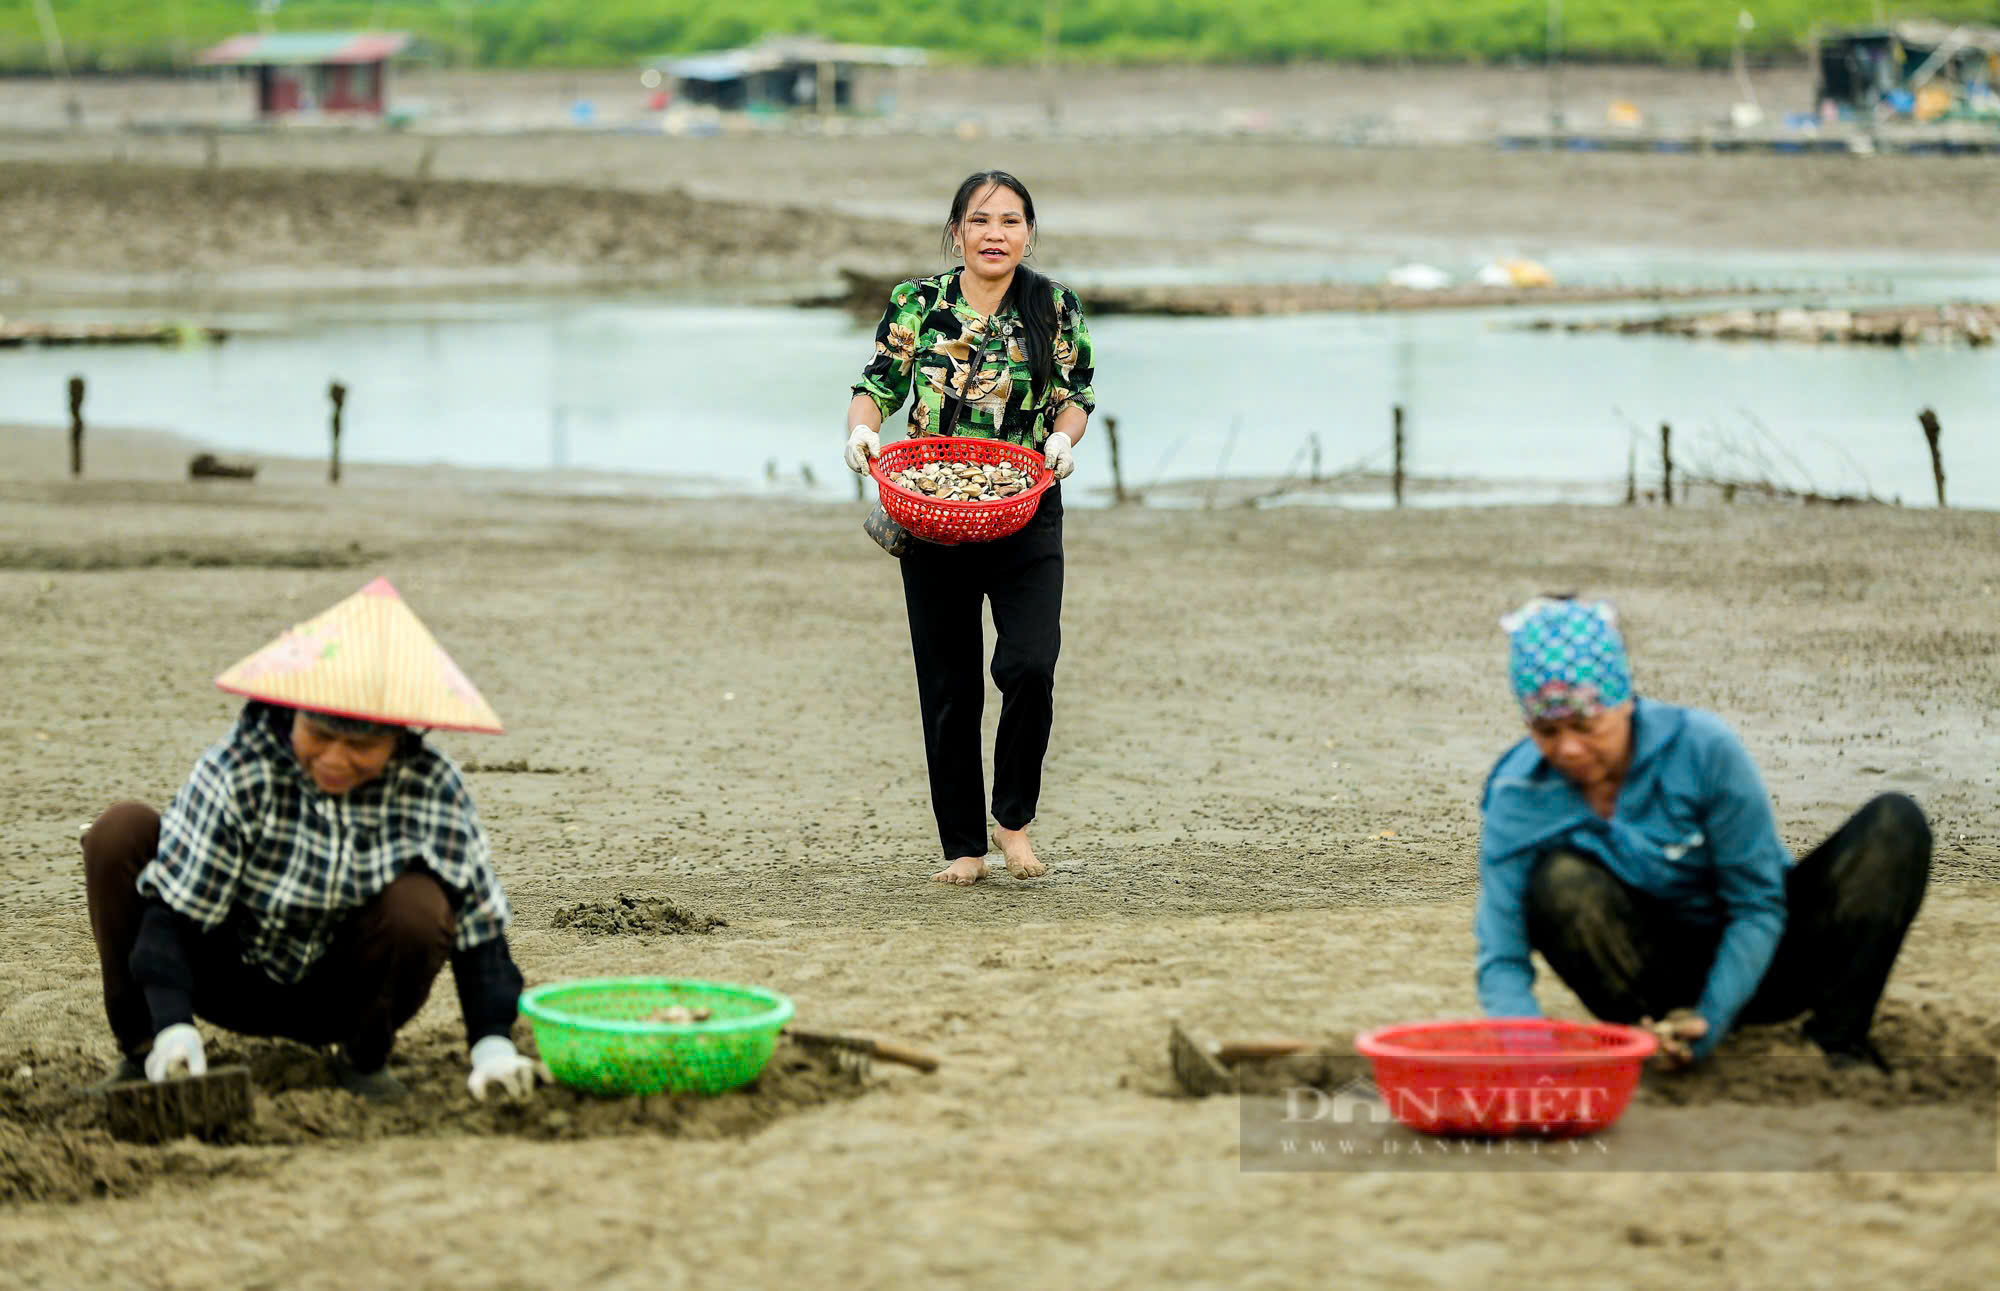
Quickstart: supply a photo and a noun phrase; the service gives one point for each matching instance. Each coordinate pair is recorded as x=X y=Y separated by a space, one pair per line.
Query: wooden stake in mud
x=1397 y=480
x=1929 y=421
x=1051 y=29
x=1117 y=478
x=338 y=393
x=1666 y=463
x=76 y=428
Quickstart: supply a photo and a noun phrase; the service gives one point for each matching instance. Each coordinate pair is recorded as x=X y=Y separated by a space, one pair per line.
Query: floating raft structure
x=17 y=333
x=1954 y=139
x=865 y=293
x=1900 y=325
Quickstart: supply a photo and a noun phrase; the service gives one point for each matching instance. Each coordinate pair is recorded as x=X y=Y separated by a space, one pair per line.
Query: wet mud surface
x=54 y=1144
x=1259 y=813
x=625 y=914
x=112 y=556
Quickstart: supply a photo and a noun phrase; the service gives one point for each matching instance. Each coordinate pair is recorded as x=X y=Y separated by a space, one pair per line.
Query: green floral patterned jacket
x=929 y=337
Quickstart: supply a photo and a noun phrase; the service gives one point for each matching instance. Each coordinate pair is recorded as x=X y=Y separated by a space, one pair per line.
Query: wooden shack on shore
x=296 y=72
x=782 y=73
x=1925 y=71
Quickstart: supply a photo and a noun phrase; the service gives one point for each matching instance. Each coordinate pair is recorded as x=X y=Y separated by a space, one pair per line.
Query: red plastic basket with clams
x=947 y=522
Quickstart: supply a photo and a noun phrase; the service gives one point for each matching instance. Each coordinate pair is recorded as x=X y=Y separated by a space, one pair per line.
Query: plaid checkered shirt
x=250 y=842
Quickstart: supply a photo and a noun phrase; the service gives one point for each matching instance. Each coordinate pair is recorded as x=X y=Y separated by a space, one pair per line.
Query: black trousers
x=1628 y=955
x=943 y=588
x=369 y=983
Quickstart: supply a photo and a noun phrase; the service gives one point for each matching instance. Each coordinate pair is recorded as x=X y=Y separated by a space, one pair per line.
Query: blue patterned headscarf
x=1566 y=659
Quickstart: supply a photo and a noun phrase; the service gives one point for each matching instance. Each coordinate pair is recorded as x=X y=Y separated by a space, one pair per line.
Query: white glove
x=862 y=444
x=179 y=1046
x=496 y=1063
x=1056 y=453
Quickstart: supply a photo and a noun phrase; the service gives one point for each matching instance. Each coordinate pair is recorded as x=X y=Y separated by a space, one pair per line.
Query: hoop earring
x=958 y=248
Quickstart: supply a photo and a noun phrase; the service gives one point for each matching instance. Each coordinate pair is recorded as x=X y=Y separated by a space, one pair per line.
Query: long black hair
x=1029 y=294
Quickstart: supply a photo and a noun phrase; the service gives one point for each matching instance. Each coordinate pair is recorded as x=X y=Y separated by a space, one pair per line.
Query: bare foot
x=965 y=871
x=1021 y=862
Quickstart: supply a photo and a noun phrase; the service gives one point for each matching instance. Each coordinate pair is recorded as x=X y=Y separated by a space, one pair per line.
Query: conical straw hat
x=368 y=657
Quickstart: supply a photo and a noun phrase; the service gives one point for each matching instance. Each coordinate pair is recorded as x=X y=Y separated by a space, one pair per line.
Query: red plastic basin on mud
x=945 y=522
x=1505 y=1076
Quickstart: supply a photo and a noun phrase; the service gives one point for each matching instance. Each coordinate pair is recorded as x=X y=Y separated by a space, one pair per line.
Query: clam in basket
x=1496 y=1077
x=948 y=522
x=597 y=1034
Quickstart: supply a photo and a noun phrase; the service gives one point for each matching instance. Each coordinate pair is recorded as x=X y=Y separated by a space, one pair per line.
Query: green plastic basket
x=594 y=1035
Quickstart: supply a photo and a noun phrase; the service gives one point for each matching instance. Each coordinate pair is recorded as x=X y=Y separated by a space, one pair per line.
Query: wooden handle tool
x=886 y=1050
x=1233 y=1052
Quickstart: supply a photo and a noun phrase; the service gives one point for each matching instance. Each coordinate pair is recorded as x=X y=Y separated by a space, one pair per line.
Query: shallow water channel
x=702 y=398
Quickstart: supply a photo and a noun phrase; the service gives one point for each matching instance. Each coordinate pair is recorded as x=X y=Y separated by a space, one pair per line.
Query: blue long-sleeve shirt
x=1692 y=827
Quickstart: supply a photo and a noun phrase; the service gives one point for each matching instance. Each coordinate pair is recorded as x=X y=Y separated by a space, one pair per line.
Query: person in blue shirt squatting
x=1632 y=843
x=318 y=868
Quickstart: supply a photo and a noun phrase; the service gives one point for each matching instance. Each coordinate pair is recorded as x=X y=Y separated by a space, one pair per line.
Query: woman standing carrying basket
x=995 y=350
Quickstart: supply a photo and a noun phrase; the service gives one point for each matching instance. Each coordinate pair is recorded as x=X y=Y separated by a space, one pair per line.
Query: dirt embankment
x=84 y=211
x=136 y=219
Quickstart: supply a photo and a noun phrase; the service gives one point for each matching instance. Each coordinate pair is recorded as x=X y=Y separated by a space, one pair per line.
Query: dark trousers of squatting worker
x=370 y=981
x=944 y=587
x=1847 y=905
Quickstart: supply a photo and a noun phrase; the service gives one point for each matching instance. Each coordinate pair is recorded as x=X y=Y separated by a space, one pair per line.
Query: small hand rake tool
x=140 y=1111
x=1203 y=1066
x=886 y=1050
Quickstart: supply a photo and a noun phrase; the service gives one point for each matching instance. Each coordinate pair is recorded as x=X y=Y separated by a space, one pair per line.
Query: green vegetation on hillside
x=117 y=35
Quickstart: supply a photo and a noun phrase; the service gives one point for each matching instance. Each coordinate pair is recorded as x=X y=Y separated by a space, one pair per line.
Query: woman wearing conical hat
x=318 y=868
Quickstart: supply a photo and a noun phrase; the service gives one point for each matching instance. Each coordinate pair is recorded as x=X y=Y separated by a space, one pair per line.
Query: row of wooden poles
x=337 y=393
x=1120 y=495
x=1927 y=419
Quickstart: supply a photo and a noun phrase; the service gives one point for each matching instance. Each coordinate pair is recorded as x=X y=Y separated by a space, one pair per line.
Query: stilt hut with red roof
x=339 y=71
